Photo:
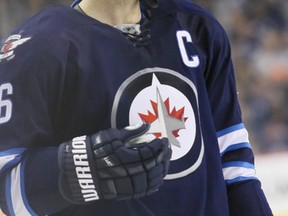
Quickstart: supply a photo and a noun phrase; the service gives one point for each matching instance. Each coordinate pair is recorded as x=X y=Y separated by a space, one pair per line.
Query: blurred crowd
x=14 y=12
x=258 y=32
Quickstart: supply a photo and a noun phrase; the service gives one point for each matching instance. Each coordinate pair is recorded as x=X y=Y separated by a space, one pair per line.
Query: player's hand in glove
x=105 y=166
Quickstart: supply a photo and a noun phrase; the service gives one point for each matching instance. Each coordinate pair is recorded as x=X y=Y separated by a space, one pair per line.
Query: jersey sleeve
x=32 y=76
x=244 y=190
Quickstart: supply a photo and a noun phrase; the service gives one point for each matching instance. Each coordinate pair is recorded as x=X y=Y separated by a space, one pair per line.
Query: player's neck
x=112 y=12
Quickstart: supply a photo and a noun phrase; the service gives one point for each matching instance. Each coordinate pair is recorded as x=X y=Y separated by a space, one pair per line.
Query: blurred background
x=258 y=32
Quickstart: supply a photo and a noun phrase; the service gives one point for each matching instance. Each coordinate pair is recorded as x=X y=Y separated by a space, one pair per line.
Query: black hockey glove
x=105 y=166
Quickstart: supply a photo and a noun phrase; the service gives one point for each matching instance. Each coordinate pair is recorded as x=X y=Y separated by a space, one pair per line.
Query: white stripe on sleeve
x=17 y=203
x=233 y=139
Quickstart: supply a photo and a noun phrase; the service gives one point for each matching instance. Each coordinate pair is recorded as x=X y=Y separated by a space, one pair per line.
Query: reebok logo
x=83 y=170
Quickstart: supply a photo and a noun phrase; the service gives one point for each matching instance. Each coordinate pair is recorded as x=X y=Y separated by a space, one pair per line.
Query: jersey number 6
x=5 y=104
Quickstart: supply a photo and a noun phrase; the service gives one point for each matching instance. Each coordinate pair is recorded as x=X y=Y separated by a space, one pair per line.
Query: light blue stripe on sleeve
x=12 y=151
x=8 y=195
x=230 y=129
x=236 y=147
x=10 y=158
x=15 y=192
x=239 y=179
x=238 y=171
x=238 y=164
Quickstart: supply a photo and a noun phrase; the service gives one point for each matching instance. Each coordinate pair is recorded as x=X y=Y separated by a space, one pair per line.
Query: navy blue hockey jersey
x=64 y=74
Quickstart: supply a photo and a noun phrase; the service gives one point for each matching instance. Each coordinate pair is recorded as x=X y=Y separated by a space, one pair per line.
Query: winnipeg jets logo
x=12 y=42
x=164 y=123
x=167 y=101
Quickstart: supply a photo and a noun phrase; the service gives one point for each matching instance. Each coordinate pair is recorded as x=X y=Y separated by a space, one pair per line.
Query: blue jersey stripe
x=236 y=146
x=22 y=183
x=230 y=129
x=239 y=179
x=15 y=192
x=10 y=158
x=9 y=195
x=12 y=151
x=238 y=164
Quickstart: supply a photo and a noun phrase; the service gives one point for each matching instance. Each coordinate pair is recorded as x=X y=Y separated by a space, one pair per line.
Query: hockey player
x=71 y=78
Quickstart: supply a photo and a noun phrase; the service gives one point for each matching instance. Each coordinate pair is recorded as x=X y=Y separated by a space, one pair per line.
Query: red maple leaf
x=6 y=47
x=150 y=117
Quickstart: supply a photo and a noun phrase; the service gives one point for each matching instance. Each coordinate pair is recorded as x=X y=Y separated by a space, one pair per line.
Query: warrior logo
x=168 y=101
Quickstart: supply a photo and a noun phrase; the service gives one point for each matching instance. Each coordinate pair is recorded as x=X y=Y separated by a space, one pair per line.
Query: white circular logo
x=170 y=114
x=168 y=101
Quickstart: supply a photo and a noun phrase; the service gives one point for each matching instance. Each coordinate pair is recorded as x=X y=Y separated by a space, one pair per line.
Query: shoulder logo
x=12 y=42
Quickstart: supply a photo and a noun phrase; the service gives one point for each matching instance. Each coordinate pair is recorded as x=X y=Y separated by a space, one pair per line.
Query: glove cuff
x=77 y=171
